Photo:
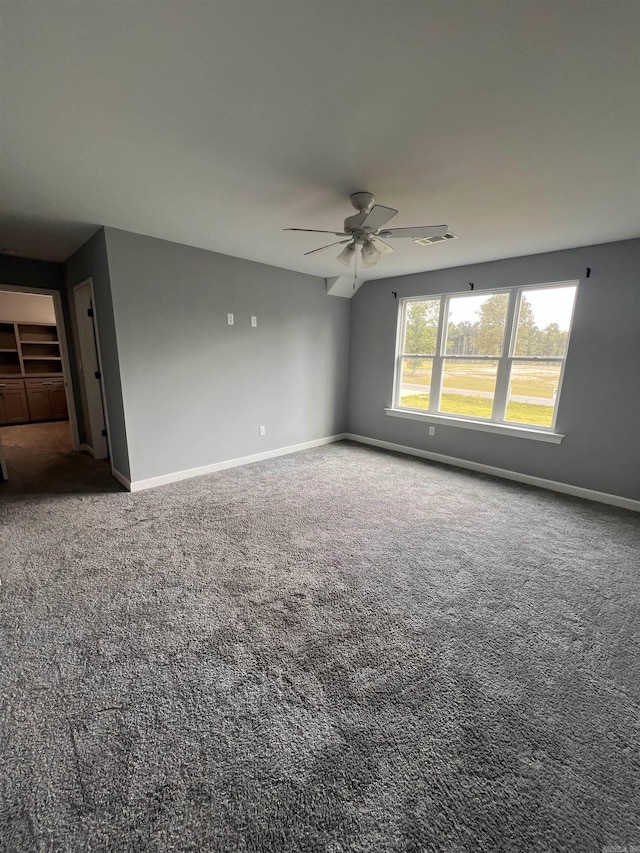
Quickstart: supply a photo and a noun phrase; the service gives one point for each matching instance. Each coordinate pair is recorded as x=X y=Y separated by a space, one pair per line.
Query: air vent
x=427 y=241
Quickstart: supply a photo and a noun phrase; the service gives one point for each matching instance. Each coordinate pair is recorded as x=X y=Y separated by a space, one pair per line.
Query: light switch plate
x=254 y=320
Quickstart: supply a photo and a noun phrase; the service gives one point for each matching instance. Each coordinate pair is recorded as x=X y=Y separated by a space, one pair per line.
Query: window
x=485 y=357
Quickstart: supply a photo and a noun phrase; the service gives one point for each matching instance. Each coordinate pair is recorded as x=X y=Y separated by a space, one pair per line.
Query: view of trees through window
x=474 y=353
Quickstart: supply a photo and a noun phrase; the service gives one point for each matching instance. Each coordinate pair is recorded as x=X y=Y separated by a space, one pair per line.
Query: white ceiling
x=218 y=124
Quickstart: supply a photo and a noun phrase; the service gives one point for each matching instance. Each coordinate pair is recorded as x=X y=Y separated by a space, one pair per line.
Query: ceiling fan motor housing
x=362 y=201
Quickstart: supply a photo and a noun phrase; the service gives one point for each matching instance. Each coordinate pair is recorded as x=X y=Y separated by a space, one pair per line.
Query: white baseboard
x=540 y=482
x=88 y=449
x=164 y=479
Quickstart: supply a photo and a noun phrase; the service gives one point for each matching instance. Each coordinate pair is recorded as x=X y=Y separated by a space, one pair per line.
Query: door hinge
x=89 y=312
x=97 y=374
x=104 y=433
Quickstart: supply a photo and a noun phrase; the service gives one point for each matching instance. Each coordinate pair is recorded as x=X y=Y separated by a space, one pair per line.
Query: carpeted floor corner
x=338 y=650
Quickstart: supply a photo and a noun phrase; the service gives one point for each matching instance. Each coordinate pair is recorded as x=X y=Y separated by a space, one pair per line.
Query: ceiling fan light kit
x=370 y=255
x=346 y=255
x=365 y=228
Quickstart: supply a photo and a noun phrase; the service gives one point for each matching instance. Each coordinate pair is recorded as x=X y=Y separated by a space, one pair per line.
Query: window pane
x=543 y=321
x=533 y=388
x=416 y=382
x=468 y=387
x=421 y=326
x=476 y=324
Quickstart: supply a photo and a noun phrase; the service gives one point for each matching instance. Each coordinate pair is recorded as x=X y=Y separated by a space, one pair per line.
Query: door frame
x=105 y=413
x=64 y=351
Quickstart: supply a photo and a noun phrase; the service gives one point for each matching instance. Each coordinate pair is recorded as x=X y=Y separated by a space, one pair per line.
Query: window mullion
x=504 y=362
x=436 y=369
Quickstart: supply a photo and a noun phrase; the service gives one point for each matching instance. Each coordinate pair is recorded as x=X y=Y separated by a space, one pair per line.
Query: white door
x=90 y=364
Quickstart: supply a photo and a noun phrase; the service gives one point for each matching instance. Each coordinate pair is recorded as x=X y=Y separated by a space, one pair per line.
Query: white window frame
x=497 y=422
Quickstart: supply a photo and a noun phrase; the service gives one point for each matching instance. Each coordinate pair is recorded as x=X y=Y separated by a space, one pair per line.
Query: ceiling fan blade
x=416 y=232
x=315 y=231
x=328 y=246
x=377 y=216
x=382 y=247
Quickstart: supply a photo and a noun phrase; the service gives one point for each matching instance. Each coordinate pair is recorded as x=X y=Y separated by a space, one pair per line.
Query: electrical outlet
x=263 y=430
x=254 y=321
x=432 y=430
x=230 y=319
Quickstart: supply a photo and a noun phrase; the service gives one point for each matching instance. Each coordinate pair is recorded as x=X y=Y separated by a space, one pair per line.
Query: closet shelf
x=31 y=373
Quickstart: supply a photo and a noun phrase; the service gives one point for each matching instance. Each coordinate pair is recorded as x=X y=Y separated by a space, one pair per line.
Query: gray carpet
x=339 y=650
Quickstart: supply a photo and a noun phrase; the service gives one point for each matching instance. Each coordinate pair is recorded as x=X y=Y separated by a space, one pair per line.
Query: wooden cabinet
x=23 y=400
x=46 y=399
x=31 y=382
x=13 y=402
x=39 y=408
x=58 y=402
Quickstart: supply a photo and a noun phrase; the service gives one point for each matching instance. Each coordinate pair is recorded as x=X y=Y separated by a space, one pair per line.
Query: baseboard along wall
x=164 y=479
x=539 y=482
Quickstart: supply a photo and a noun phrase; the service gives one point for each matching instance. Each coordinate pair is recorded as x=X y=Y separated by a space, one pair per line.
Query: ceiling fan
x=364 y=231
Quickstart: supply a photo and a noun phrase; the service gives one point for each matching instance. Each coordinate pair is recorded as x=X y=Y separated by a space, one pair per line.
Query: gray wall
x=195 y=389
x=91 y=261
x=599 y=410
x=30 y=273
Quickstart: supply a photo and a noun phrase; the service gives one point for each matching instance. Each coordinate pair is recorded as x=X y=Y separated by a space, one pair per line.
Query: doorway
x=37 y=406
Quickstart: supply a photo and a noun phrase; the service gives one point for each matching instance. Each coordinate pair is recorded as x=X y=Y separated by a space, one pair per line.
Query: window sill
x=481 y=426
